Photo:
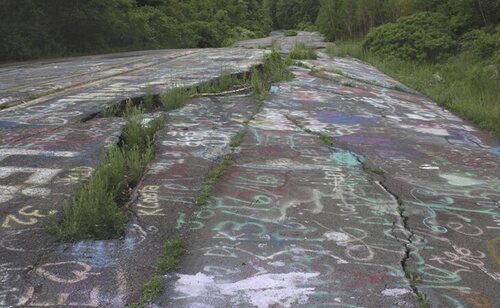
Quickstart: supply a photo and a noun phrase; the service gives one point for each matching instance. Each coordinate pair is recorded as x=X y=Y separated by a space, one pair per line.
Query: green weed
x=291 y=32
x=237 y=139
x=173 y=250
x=372 y=169
x=327 y=140
x=213 y=176
x=174 y=99
x=301 y=52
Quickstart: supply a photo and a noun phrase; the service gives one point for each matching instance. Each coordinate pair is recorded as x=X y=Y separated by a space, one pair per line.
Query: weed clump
x=291 y=32
x=173 y=249
x=174 y=99
x=301 y=52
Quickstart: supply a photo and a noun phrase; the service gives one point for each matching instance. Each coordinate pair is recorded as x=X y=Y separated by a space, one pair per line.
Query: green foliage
x=422 y=36
x=213 y=176
x=291 y=32
x=481 y=44
x=237 y=139
x=174 y=99
x=172 y=251
x=301 y=52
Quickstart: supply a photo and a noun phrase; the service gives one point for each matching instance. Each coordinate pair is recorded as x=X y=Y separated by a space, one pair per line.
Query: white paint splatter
x=261 y=291
x=457 y=180
x=336 y=236
x=277 y=263
x=395 y=292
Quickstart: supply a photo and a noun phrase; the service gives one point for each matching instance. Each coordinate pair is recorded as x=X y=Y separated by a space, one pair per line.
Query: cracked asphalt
x=404 y=205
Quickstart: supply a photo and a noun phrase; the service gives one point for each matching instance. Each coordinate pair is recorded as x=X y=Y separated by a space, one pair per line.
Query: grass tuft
x=327 y=140
x=237 y=139
x=213 y=176
x=173 y=249
x=291 y=32
x=174 y=99
x=301 y=52
x=372 y=169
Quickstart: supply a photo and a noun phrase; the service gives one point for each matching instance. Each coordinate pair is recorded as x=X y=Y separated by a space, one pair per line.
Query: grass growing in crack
x=93 y=213
x=273 y=70
x=226 y=82
x=173 y=249
x=237 y=139
x=423 y=301
x=327 y=140
x=372 y=169
x=290 y=32
x=301 y=52
x=174 y=99
x=213 y=176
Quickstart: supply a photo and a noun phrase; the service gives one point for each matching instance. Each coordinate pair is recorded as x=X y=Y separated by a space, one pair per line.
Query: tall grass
x=467 y=87
x=301 y=52
x=174 y=98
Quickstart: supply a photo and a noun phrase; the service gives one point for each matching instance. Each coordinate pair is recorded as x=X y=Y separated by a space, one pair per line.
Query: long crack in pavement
x=402 y=209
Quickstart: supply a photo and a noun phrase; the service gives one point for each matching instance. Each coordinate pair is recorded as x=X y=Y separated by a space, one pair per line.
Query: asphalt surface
x=407 y=189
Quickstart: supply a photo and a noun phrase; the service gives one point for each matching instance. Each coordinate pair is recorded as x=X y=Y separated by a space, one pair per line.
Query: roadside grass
x=301 y=52
x=94 y=212
x=172 y=251
x=290 y=32
x=468 y=88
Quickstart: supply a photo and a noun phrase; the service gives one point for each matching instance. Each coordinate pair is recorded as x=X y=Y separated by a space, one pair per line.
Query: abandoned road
x=401 y=209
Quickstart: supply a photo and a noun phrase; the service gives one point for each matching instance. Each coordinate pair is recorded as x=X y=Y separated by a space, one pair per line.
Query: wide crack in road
x=401 y=210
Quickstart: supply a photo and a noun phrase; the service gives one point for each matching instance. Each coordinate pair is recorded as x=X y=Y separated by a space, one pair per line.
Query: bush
x=423 y=37
x=301 y=52
x=481 y=44
x=290 y=32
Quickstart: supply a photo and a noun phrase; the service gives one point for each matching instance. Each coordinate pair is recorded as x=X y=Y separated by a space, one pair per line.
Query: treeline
x=41 y=28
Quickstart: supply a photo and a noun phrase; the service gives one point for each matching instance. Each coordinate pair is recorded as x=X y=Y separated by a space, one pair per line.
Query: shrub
x=423 y=37
x=302 y=52
x=291 y=32
x=481 y=44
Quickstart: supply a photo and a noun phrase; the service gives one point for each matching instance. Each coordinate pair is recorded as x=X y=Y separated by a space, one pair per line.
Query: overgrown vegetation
x=93 y=213
x=301 y=52
x=172 y=251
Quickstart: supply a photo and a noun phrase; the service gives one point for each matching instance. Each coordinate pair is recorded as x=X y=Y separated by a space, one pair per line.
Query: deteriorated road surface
x=405 y=205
